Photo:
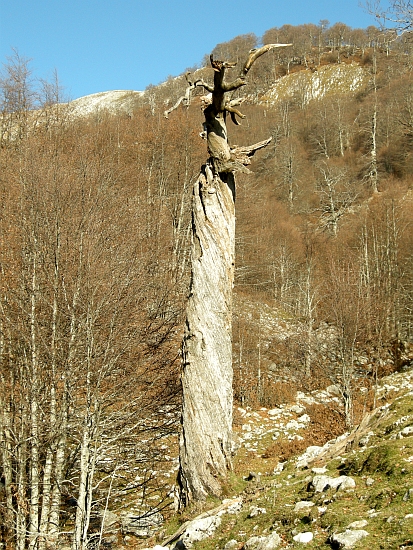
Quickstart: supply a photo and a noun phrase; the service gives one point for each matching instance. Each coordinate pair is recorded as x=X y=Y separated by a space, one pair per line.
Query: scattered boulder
x=263 y=543
x=231 y=545
x=334 y=390
x=319 y=471
x=322 y=482
x=303 y=505
x=348 y=539
x=405 y=432
x=358 y=524
x=253 y=476
x=304 y=538
x=256 y=511
x=275 y=412
x=298 y=409
x=408 y=495
x=230 y=506
x=279 y=468
x=198 y=530
x=109 y=519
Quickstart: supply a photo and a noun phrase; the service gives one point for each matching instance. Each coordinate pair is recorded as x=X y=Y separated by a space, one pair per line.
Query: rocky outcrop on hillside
x=353 y=492
x=312 y=84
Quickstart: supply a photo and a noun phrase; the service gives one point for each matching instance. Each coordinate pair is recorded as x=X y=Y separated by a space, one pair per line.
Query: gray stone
x=298 y=409
x=364 y=441
x=308 y=455
x=319 y=471
x=303 y=505
x=358 y=524
x=349 y=538
x=391 y=519
x=334 y=390
x=232 y=506
x=408 y=430
x=231 y=545
x=408 y=495
x=274 y=412
x=253 y=476
x=256 y=511
x=279 y=468
x=369 y=481
x=304 y=538
x=197 y=530
x=322 y=483
x=263 y=543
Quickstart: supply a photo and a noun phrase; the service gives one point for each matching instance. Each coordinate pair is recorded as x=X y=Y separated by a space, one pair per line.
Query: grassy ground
x=381 y=466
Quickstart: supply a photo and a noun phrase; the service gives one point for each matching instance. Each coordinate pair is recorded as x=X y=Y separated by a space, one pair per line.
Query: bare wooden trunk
x=206 y=442
x=205 y=446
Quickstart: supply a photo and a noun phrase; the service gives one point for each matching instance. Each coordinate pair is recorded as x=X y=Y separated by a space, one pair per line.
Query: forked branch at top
x=251 y=59
x=220 y=87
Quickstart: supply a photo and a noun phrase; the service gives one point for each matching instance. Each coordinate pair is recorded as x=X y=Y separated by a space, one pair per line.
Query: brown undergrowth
x=326 y=423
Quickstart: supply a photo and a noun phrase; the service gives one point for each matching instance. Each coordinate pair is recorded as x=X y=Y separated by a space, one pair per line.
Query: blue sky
x=101 y=45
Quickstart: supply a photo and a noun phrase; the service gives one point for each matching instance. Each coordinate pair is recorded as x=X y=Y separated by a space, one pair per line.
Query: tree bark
x=205 y=446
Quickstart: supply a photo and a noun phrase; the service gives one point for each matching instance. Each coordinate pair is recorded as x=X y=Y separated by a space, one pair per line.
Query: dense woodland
x=95 y=228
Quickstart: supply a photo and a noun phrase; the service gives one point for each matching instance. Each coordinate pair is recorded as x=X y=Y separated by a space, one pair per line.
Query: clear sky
x=102 y=45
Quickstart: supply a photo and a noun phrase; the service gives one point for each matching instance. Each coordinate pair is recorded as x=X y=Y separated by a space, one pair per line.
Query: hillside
x=95 y=229
x=355 y=491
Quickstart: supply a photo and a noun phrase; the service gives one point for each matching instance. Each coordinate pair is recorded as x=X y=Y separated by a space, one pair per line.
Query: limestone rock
x=197 y=530
x=349 y=538
x=109 y=519
x=231 y=545
x=298 y=409
x=263 y=543
x=322 y=483
x=358 y=524
x=256 y=511
x=304 y=538
x=303 y=505
x=308 y=455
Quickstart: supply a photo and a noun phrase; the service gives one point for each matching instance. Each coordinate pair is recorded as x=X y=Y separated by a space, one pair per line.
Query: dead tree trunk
x=206 y=440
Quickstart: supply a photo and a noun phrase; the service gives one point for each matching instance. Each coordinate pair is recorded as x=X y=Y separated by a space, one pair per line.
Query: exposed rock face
x=308 y=85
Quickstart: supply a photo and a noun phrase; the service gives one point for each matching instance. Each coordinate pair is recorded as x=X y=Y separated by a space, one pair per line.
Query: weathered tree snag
x=205 y=446
x=206 y=440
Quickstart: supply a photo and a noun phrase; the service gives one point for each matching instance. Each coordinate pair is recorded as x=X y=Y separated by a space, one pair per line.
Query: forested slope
x=95 y=227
